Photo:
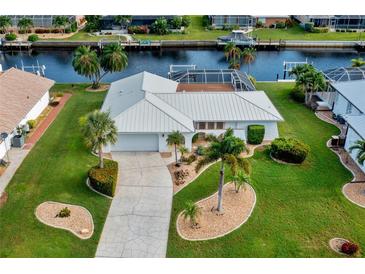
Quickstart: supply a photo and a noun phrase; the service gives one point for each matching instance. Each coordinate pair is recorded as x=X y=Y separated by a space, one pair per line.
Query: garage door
x=136 y=142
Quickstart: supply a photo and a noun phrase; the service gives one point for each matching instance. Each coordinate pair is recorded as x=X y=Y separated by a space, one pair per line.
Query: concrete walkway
x=138 y=221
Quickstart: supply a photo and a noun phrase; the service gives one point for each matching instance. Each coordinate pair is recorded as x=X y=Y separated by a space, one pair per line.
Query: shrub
x=104 y=179
x=64 y=213
x=68 y=30
x=160 y=26
x=298 y=95
x=195 y=138
x=200 y=150
x=56 y=31
x=280 y=25
x=205 y=21
x=308 y=26
x=10 y=36
x=319 y=30
x=32 y=123
x=185 y=21
x=24 y=31
x=192 y=158
x=176 y=22
x=138 y=29
x=289 y=150
x=180 y=176
x=349 y=248
x=33 y=38
x=73 y=27
x=255 y=134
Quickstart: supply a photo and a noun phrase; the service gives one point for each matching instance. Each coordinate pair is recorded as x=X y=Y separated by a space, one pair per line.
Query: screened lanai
x=344 y=74
x=39 y=21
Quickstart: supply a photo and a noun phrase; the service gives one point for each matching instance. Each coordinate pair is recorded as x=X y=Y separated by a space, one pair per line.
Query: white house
x=147 y=107
x=355 y=132
x=23 y=96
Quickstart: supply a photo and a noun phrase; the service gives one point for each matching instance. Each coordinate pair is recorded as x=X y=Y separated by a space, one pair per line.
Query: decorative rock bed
x=80 y=221
x=336 y=245
x=237 y=209
x=355 y=192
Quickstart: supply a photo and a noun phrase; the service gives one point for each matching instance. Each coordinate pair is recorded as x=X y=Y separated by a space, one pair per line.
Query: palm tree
x=360 y=147
x=228 y=49
x=123 y=20
x=86 y=63
x=175 y=138
x=99 y=130
x=191 y=212
x=25 y=24
x=358 y=62
x=61 y=22
x=5 y=22
x=113 y=59
x=227 y=148
x=240 y=179
x=182 y=150
x=233 y=55
x=299 y=70
x=249 y=55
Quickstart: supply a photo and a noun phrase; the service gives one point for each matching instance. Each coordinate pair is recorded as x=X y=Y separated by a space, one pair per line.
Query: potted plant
x=18 y=139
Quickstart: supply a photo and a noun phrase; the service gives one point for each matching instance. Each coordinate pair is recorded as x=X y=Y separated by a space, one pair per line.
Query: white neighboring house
x=23 y=96
x=147 y=107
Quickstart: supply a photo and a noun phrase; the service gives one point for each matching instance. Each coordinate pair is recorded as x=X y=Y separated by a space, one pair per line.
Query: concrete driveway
x=138 y=221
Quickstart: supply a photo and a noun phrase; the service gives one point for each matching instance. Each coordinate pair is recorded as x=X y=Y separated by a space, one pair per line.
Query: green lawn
x=299 y=208
x=55 y=170
x=298 y=33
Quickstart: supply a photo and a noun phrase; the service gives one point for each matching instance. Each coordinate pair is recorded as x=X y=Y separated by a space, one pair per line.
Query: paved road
x=138 y=221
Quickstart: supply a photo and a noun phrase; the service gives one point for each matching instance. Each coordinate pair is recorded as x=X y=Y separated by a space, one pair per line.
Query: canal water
x=266 y=67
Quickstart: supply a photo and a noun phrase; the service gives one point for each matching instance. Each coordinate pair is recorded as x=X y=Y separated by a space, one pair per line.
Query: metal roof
x=353 y=91
x=357 y=123
x=136 y=106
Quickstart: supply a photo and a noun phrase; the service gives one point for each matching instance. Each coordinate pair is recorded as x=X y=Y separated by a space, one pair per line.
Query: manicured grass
x=85 y=36
x=195 y=31
x=298 y=33
x=54 y=170
x=299 y=208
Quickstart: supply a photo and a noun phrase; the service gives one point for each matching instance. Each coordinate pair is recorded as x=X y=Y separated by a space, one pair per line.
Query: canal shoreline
x=153 y=45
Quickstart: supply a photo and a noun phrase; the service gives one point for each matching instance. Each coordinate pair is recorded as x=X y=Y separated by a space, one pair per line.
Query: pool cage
x=188 y=74
x=39 y=21
x=344 y=74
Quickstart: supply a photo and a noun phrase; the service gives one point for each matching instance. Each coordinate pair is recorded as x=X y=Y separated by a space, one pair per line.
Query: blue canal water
x=265 y=68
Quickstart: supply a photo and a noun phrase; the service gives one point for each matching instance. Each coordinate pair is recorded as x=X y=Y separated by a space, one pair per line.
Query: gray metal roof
x=357 y=123
x=353 y=91
x=136 y=106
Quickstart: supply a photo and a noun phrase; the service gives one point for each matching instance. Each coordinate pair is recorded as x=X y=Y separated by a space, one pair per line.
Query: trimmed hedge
x=10 y=36
x=33 y=38
x=255 y=134
x=289 y=150
x=104 y=180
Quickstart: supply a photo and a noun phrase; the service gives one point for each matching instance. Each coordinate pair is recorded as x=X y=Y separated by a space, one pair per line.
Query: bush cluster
x=319 y=30
x=255 y=134
x=64 y=213
x=32 y=123
x=298 y=95
x=33 y=38
x=24 y=31
x=349 y=248
x=289 y=150
x=10 y=36
x=104 y=179
x=137 y=29
x=200 y=150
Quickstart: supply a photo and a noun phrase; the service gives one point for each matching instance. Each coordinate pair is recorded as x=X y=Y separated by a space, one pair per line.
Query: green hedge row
x=104 y=179
x=289 y=150
x=255 y=134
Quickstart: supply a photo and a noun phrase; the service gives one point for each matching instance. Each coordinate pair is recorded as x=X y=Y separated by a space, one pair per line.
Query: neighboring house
x=355 y=132
x=23 y=97
x=43 y=21
x=243 y=21
x=270 y=20
x=334 y=22
x=146 y=108
x=108 y=22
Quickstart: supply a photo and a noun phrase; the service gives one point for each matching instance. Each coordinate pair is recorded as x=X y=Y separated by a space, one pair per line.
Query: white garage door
x=136 y=142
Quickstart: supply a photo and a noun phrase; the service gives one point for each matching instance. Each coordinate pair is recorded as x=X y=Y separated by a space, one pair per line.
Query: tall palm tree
x=357 y=62
x=226 y=148
x=228 y=49
x=113 y=58
x=99 y=130
x=240 y=179
x=311 y=81
x=86 y=63
x=175 y=138
x=25 y=24
x=233 y=55
x=360 y=147
x=191 y=212
x=61 y=21
x=249 y=55
x=5 y=22
x=123 y=20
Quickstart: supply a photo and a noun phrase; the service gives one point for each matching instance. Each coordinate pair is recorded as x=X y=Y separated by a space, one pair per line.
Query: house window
x=211 y=125
x=349 y=108
x=201 y=125
x=219 y=125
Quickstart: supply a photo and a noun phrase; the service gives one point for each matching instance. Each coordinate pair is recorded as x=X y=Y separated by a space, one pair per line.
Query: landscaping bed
x=237 y=209
x=79 y=222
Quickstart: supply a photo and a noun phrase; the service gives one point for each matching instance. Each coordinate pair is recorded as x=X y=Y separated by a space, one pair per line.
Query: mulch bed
x=3 y=199
x=237 y=209
x=80 y=221
x=101 y=88
x=336 y=244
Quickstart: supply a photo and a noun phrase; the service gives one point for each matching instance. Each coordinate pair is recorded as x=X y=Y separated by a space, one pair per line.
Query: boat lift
x=36 y=69
x=288 y=66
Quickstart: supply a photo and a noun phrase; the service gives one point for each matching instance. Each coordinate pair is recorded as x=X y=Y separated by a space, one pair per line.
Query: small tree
x=185 y=21
x=191 y=212
x=92 y=23
x=249 y=55
x=176 y=22
x=358 y=62
x=160 y=26
x=5 y=22
x=123 y=20
x=240 y=179
x=25 y=24
x=61 y=22
x=175 y=138
x=99 y=130
x=360 y=147
x=182 y=150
